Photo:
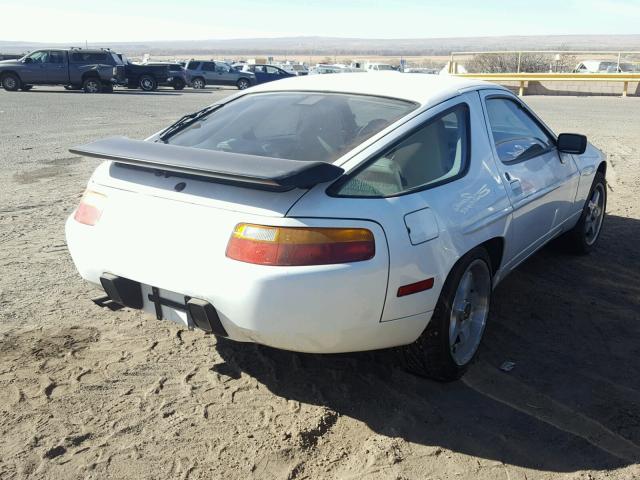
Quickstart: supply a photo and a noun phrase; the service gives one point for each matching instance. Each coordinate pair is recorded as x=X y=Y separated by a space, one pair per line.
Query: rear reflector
x=90 y=208
x=420 y=286
x=295 y=246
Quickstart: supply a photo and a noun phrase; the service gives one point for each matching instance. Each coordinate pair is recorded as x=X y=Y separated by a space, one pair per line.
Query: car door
x=208 y=70
x=540 y=182
x=260 y=73
x=56 y=71
x=274 y=73
x=226 y=75
x=34 y=69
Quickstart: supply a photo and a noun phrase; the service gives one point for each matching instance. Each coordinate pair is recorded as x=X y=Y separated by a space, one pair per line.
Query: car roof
x=415 y=87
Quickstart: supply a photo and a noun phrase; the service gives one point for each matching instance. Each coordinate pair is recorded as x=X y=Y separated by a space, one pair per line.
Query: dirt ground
x=90 y=393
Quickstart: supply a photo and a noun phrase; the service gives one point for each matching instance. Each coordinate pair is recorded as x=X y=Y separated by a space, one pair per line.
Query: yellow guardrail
x=625 y=78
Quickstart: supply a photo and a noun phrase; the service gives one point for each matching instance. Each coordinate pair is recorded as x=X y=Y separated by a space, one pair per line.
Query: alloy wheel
x=469 y=311
x=595 y=215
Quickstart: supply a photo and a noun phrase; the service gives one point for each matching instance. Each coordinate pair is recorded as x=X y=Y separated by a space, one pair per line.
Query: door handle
x=514 y=183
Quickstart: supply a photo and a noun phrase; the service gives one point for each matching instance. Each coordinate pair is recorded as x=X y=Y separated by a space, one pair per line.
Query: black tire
x=26 y=88
x=107 y=88
x=179 y=84
x=198 y=83
x=431 y=354
x=147 y=83
x=11 y=82
x=92 y=85
x=577 y=240
x=243 y=84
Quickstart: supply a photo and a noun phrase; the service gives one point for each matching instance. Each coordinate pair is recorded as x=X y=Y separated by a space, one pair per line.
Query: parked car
x=144 y=76
x=379 y=67
x=93 y=71
x=267 y=73
x=322 y=69
x=327 y=214
x=201 y=73
x=598 y=66
x=178 y=75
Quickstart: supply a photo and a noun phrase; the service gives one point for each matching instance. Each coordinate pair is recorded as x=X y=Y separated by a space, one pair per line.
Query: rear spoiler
x=268 y=173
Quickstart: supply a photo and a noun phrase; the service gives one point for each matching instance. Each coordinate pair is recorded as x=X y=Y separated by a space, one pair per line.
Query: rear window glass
x=193 y=65
x=88 y=57
x=294 y=125
x=175 y=68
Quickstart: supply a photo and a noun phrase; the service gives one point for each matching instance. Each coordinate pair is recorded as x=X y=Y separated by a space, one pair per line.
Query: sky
x=120 y=20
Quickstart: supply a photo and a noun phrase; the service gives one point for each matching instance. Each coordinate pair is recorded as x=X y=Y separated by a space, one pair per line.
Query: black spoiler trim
x=269 y=173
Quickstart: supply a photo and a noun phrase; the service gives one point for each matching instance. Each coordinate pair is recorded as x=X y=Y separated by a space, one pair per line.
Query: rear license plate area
x=166 y=305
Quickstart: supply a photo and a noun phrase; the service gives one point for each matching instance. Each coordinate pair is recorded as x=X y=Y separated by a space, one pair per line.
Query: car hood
x=10 y=62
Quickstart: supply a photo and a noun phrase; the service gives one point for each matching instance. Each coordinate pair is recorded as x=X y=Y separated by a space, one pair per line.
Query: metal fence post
x=519 y=57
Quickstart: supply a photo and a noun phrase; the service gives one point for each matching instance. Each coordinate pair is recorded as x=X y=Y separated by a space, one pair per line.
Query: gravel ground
x=88 y=393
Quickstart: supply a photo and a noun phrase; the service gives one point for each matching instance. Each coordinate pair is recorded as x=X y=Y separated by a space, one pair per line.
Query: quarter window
x=435 y=153
x=193 y=65
x=517 y=136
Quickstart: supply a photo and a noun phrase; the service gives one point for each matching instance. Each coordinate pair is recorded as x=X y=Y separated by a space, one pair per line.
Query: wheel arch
x=7 y=72
x=602 y=168
x=90 y=74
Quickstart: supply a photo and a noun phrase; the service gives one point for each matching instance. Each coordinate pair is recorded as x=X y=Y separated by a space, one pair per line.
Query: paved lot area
x=87 y=393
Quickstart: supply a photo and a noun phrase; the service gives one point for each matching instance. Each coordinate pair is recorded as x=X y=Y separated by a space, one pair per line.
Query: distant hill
x=354 y=46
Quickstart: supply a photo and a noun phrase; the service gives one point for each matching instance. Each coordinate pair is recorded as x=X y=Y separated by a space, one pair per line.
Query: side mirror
x=572 y=143
x=28 y=60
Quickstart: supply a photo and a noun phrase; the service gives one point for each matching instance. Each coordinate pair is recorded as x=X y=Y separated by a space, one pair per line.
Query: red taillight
x=293 y=246
x=90 y=208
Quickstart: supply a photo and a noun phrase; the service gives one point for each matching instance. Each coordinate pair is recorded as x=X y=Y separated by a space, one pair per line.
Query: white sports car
x=332 y=214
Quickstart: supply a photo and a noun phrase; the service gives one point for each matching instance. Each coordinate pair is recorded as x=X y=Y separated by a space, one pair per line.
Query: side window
x=258 y=69
x=208 y=66
x=39 y=57
x=273 y=70
x=517 y=136
x=222 y=68
x=88 y=57
x=193 y=65
x=56 y=56
x=437 y=151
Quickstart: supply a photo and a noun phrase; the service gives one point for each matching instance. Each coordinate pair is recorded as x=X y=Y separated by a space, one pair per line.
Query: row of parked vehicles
x=99 y=70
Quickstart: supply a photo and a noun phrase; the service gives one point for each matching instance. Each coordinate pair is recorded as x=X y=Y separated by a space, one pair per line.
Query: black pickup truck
x=94 y=71
x=143 y=76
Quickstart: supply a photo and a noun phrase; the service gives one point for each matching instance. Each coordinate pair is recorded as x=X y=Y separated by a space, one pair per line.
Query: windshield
x=293 y=125
x=384 y=67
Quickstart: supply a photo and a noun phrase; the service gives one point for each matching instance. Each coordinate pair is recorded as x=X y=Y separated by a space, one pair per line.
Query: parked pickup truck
x=144 y=76
x=93 y=71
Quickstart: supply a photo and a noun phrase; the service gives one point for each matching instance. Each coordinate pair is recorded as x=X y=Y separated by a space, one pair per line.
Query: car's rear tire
x=198 y=83
x=243 y=84
x=11 y=82
x=450 y=342
x=179 y=84
x=582 y=238
x=92 y=85
x=26 y=88
x=148 y=83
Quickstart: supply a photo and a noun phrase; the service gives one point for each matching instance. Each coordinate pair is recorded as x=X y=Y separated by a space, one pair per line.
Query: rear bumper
x=319 y=309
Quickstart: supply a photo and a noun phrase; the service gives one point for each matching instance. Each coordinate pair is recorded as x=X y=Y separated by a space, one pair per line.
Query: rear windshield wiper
x=186 y=120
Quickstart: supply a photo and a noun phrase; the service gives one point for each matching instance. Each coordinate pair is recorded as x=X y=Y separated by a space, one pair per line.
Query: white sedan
x=331 y=214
